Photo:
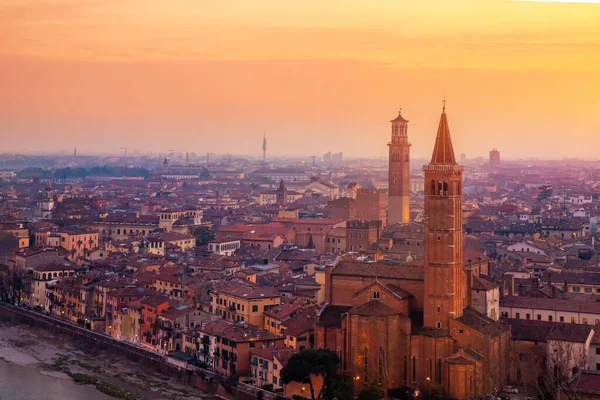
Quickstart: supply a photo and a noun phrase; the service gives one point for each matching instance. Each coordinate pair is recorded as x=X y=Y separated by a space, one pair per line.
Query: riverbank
x=61 y=358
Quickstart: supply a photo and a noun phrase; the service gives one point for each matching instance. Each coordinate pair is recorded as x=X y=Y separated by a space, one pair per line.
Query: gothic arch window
x=380 y=371
x=366 y=364
x=445 y=186
x=376 y=294
x=438 y=371
x=430 y=371
x=414 y=369
x=405 y=370
x=440 y=188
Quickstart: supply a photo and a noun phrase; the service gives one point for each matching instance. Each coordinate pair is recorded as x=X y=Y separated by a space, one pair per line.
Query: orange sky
x=195 y=75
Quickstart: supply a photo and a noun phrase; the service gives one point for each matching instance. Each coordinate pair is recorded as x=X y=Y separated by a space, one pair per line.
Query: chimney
x=511 y=285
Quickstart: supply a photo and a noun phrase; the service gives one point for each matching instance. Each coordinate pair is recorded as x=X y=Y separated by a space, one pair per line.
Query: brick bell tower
x=399 y=172
x=445 y=279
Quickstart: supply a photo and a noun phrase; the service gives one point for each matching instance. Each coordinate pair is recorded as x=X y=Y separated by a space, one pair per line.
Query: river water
x=25 y=383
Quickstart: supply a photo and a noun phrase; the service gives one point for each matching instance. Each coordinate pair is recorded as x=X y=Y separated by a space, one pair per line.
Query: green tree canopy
x=371 y=392
x=320 y=362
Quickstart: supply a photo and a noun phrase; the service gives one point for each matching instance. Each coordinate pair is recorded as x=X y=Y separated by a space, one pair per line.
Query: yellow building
x=76 y=241
x=244 y=302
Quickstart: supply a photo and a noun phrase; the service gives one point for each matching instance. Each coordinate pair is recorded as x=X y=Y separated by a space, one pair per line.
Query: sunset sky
x=195 y=75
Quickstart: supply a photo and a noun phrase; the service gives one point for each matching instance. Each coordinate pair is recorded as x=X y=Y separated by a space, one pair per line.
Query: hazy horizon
x=202 y=76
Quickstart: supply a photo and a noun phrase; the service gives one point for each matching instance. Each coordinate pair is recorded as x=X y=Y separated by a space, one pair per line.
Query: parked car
x=37 y=308
x=510 y=389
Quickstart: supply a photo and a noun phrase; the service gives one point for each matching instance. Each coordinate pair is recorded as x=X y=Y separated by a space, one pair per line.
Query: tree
x=371 y=392
x=341 y=388
x=312 y=362
x=16 y=286
x=203 y=235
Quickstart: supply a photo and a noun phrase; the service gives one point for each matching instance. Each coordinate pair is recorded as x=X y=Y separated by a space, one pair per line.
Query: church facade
x=432 y=324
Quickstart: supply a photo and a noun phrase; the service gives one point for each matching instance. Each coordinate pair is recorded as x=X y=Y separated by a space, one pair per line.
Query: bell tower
x=399 y=172
x=445 y=279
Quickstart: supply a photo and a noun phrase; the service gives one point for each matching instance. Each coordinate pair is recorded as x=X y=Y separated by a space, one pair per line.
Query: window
x=587 y=290
x=518 y=315
x=597 y=350
x=439 y=324
x=380 y=366
x=585 y=320
x=414 y=369
x=460 y=331
x=527 y=316
x=255 y=308
x=438 y=308
x=573 y=320
x=375 y=294
x=430 y=370
x=576 y=289
x=539 y=317
x=438 y=371
x=549 y=317
x=562 y=319
x=366 y=362
x=252 y=344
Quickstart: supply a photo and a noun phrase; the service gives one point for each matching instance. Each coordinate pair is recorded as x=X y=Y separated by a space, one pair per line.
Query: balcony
x=231 y=308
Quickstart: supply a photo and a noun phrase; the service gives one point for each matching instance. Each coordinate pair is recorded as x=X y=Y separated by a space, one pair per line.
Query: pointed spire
x=443 y=153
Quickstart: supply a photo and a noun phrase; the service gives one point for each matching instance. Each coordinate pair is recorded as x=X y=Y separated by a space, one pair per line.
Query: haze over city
x=198 y=75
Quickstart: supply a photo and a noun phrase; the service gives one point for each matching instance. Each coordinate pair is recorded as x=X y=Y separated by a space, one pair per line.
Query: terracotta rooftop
x=379 y=270
x=481 y=323
x=247 y=291
x=481 y=282
x=331 y=316
x=374 y=308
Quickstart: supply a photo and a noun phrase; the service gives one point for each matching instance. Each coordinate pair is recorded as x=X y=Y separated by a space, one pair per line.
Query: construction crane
x=124 y=148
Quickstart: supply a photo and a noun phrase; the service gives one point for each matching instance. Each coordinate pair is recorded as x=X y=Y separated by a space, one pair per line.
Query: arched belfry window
x=433 y=187
x=445 y=188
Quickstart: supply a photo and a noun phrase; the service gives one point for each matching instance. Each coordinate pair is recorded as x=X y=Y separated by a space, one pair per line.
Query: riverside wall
x=205 y=380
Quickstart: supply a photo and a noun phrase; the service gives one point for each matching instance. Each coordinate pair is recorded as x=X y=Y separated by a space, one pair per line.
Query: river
x=25 y=383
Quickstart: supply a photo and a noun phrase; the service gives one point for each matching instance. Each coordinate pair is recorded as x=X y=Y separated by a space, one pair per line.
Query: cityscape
x=398 y=250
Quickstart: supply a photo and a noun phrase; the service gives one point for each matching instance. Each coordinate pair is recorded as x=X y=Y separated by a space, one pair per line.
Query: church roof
x=443 y=153
x=331 y=316
x=379 y=270
x=481 y=323
x=373 y=308
x=399 y=118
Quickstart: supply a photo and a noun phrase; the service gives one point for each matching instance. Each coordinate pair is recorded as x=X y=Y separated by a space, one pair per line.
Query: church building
x=431 y=324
